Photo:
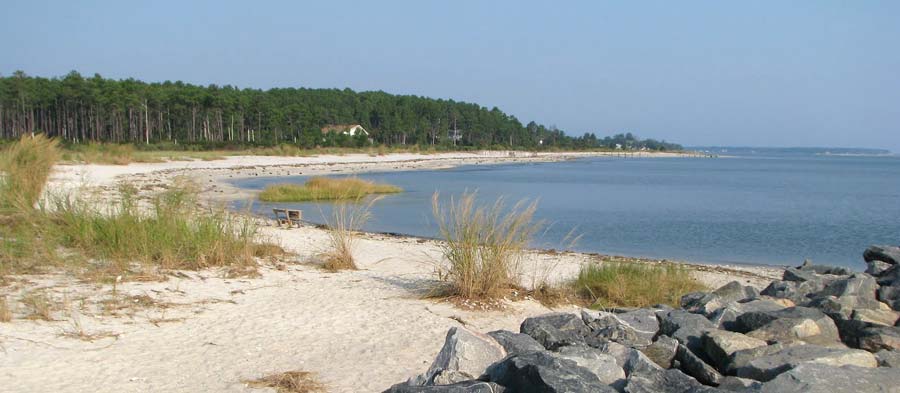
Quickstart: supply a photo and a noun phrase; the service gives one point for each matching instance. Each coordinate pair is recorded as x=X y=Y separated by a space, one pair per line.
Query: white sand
x=360 y=331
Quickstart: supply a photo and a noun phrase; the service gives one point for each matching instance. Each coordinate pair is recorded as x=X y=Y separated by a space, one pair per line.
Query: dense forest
x=80 y=110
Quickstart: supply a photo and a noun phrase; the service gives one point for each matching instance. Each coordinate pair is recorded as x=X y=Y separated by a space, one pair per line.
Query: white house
x=346 y=129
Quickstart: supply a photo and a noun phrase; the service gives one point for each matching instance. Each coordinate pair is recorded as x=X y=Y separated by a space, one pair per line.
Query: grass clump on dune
x=625 y=284
x=482 y=245
x=323 y=188
x=103 y=240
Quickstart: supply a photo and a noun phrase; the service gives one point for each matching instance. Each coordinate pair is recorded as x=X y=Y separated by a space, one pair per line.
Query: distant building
x=618 y=146
x=345 y=129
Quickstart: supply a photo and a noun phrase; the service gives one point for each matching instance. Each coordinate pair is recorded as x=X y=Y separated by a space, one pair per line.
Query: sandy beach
x=359 y=331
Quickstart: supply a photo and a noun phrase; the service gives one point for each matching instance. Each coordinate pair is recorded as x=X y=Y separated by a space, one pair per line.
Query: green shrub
x=323 y=188
x=627 y=284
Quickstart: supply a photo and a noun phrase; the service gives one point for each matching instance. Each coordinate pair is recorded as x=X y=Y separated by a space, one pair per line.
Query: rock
x=823 y=378
x=888 y=358
x=887 y=254
x=465 y=355
x=637 y=362
x=891 y=276
x=876 y=317
x=875 y=338
x=766 y=368
x=808 y=266
x=604 y=366
x=616 y=350
x=725 y=317
x=462 y=387
x=632 y=328
x=719 y=345
x=555 y=330
x=662 y=351
x=743 y=357
x=841 y=308
x=860 y=285
x=890 y=294
x=515 y=342
x=876 y=268
x=736 y=384
x=706 y=304
x=664 y=381
x=790 y=324
x=543 y=372
x=692 y=365
x=795 y=291
x=672 y=321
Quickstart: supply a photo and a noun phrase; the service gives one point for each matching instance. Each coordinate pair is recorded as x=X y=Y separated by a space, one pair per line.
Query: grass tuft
x=323 y=188
x=25 y=167
x=482 y=245
x=347 y=219
x=289 y=382
x=39 y=305
x=623 y=284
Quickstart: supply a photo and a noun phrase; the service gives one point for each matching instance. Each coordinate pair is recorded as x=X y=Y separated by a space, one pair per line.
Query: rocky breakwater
x=819 y=329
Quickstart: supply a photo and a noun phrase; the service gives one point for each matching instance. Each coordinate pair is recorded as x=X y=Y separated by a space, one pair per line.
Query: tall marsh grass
x=482 y=245
x=627 y=284
x=323 y=188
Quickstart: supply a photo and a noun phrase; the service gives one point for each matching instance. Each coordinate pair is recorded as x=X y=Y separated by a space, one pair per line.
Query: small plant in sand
x=482 y=244
x=346 y=220
x=289 y=382
x=633 y=284
x=323 y=188
x=39 y=305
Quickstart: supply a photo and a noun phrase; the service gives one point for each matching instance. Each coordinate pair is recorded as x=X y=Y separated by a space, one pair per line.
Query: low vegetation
x=630 y=284
x=324 y=188
x=482 y=245
x=127 y=238
x=289 y=382
x=343 y=226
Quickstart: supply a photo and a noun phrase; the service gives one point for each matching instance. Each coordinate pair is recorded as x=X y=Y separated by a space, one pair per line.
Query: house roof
x=340 y=128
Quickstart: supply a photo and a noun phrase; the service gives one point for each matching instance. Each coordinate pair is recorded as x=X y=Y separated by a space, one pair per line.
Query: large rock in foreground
x=767 y=367
x=823 y=378
x=541 y=372
x=555 y=330
x=887 y=254
x=464 y=356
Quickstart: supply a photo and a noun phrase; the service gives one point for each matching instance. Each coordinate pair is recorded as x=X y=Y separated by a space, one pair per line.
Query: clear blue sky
x=760 y=73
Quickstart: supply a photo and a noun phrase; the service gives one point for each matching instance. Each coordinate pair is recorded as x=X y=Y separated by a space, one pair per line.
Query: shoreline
x=359 y=331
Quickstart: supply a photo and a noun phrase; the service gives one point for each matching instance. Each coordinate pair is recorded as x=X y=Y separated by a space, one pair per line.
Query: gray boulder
x=664 y=381
x=685 y=327
x=824 y=378
x=809 y=266
x=633 y=328
x=555 y=330
x=891 y=276
x=736 y=384
x=877 y=268
x=890 y=294
x=874 y=338
x=876 y=317
x=887 y=254
x=725 y=317
x=465 y=355
x=604 y=366
x=888 y=358
x=719 y=345
x=743 y=357
x=694 y=366
x=790 y=324
x=767 y=367
x=637 y=362
x=662 y=351
x=706 y=304
x=461 y=387
x=793 y=290
x=542 y=372
x=515 y=342
x=858 y=285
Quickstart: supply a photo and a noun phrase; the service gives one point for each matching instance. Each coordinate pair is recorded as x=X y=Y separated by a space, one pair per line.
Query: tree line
x=77 y=109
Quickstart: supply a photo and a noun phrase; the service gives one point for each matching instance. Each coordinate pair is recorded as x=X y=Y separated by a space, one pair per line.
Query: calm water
x=768 y=210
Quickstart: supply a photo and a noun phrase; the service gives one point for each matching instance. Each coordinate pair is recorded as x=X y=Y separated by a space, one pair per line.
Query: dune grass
x=24 y=169
x=482 y=245
x=347 y=219
x=124 y=238
x=626 y=284
x=324 y=189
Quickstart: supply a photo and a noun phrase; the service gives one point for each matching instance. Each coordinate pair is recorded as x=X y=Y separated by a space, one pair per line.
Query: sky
x=760 y=73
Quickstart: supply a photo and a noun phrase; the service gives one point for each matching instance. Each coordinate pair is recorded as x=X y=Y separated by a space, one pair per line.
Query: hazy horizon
x=766 y=74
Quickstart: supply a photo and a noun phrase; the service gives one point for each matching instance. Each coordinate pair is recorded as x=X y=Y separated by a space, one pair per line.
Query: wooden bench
x=288 y=217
